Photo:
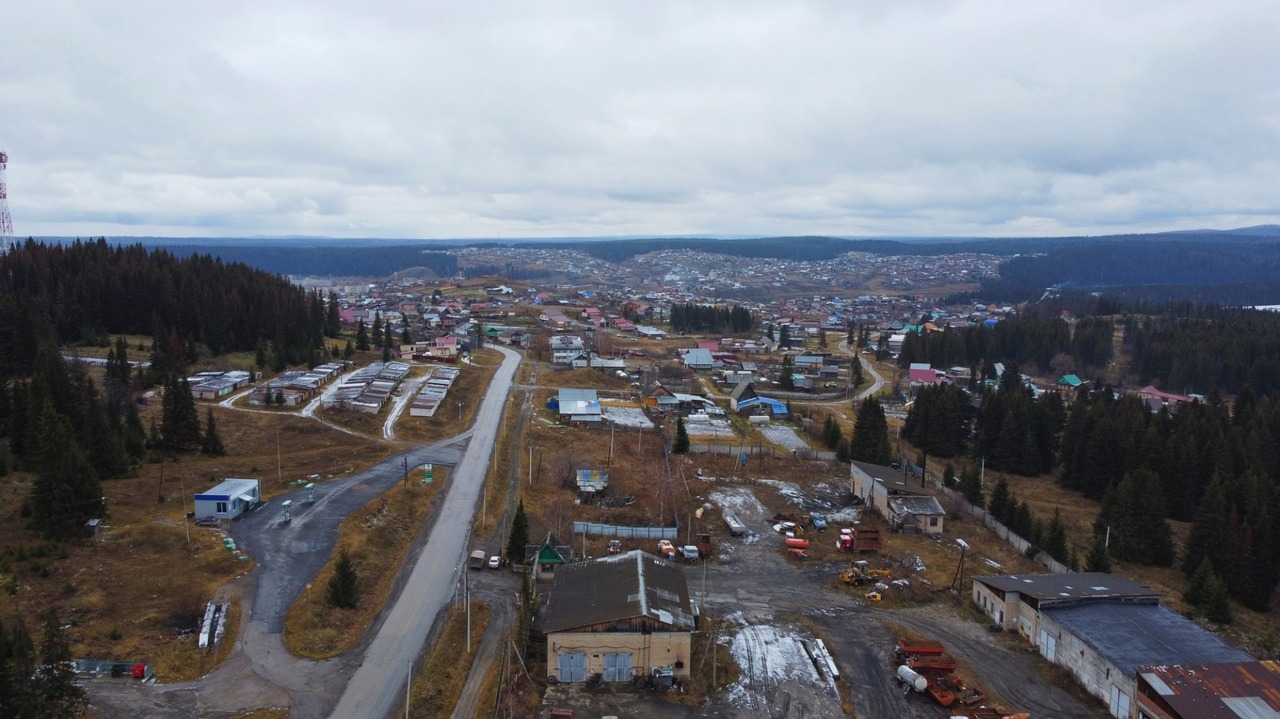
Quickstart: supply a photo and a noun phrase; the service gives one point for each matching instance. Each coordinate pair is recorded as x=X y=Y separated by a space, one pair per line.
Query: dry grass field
x=137 y=589
x=444 y=671
x=377 y=539
x=1255 y=632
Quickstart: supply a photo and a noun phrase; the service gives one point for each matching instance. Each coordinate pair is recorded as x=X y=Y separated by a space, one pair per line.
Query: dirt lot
x=776 y=602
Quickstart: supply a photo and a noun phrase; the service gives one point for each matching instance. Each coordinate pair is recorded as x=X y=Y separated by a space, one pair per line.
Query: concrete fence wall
x=1000 y=530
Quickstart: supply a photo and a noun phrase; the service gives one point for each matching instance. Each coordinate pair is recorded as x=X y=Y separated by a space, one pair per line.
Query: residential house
x=579 y=406
x=916 y=514
x=698 y=359
x=876 y=484
x=565 y=349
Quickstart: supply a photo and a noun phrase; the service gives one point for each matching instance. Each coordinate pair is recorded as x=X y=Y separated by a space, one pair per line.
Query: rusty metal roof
x=1236 y=690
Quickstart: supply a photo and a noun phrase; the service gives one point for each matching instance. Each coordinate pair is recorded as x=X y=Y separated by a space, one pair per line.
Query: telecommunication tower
x=6 y=224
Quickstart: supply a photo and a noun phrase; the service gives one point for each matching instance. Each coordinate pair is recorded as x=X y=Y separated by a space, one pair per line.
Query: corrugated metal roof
x=617 y=588
x=1234 y=690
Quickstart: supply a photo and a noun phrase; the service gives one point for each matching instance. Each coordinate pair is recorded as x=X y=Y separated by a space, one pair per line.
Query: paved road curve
x=378 y=686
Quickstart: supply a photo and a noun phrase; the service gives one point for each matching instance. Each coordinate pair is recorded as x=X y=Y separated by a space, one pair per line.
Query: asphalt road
x=378 y=686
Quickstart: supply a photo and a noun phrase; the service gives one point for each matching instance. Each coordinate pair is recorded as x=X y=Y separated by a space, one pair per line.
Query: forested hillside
x=1214 y=463
x=57 y=423
x=54 y=295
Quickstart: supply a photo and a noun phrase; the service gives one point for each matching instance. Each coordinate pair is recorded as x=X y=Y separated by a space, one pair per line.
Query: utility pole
x=406 y=470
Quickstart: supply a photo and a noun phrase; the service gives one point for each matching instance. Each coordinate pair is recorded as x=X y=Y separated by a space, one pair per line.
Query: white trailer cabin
x=227 y=500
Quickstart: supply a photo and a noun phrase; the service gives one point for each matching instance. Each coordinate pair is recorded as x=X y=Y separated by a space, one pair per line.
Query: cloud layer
x=394 y=119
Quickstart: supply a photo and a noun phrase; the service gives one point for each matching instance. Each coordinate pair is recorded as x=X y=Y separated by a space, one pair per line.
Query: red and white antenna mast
x=6 y=225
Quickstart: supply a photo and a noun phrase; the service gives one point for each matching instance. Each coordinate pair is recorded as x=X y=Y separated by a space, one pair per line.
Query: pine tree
x=681 y=444
x=212 y=441
x=343 y=590
x=349 y=351
x=786 y=381
x=519 y=535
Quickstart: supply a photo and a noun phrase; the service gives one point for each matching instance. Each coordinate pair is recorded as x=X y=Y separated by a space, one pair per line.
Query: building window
x=933 y=521
x=221 y=508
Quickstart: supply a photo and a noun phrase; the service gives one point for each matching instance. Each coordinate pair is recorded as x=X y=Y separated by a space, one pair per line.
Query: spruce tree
x=66 y=491
x=343 y=590
x=56 y=693
x=362 y=336
x=1055 y=541
x=1002 y=503
x=1098 y=560
x=681 y=443
x=971 y=487
x=179 y=422
x=870 y=441
x=519 y=537
x=212 y=441
x=1198 y=586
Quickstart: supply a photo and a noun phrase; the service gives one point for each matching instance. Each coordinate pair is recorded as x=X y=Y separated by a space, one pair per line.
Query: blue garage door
x=617 y=667
x=572 y=666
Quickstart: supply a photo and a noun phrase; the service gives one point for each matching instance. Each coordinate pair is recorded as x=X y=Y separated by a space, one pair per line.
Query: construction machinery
x=860 y=572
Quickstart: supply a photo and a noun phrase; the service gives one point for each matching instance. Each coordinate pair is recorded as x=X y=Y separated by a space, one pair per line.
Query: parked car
x=495 y=561
x=819 y=521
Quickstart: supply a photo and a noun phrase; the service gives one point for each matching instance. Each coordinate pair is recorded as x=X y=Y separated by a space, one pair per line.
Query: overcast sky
x=603 y=117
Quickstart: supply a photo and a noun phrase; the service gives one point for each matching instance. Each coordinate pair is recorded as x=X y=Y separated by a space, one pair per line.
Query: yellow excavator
x=860 y=572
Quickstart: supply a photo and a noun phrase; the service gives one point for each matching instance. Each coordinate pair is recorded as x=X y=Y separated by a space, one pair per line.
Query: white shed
x=227 y=500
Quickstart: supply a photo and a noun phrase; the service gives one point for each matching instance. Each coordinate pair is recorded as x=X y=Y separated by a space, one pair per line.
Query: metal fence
x=596 y=529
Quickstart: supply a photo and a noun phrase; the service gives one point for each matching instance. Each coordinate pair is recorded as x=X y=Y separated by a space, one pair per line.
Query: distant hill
x=1236 y=266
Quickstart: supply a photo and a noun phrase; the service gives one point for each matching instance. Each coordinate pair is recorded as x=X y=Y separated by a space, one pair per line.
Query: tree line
x=53 y=295
x=1210 y=463
x=715 y=319
x=1046 y=344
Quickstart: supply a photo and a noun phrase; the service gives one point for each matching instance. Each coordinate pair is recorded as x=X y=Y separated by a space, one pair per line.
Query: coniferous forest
x=1213 y=462
x=54 y=295
x=71 y=433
